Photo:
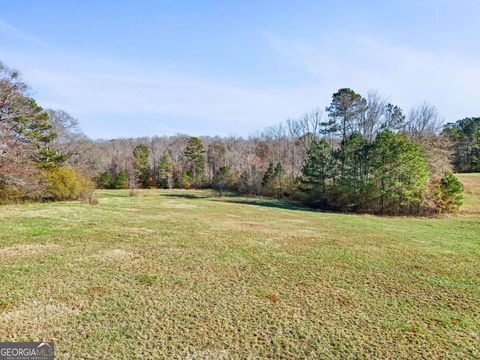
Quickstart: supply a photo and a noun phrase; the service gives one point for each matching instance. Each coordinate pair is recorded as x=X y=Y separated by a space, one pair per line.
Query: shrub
x=29 y=187
x=63 y=183
x=88 y=198
x=448 y=193
x=87 y=189
x=133 y=193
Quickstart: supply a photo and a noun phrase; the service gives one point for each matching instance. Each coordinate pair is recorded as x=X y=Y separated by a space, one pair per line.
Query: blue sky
x=143 y=68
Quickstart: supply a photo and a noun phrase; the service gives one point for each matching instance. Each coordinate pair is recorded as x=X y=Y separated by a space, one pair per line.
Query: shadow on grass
x=237 y=199
x=186 y=196
x=234 y=198
x=265 y=202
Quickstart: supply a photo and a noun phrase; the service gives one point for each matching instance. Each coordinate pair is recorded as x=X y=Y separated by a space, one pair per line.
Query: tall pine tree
x=316 y=172
x=165 y=172
x=195 y=161
x=142 y=164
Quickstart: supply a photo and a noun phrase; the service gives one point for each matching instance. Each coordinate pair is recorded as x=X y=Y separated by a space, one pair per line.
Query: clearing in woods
x=184 y=273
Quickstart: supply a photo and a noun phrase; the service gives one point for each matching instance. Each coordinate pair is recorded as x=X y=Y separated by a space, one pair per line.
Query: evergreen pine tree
x=316 y=171
x=195 y=160
x=399 y=173
x=35 y=127
x=352 y=181
x=120 y=180
x=142 y=164
x=268 y=176
x=165 y=172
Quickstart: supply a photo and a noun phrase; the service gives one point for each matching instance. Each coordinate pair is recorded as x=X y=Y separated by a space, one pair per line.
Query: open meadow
x=179 y=274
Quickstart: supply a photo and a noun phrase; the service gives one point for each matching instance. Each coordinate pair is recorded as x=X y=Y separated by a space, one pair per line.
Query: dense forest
x=360 y=154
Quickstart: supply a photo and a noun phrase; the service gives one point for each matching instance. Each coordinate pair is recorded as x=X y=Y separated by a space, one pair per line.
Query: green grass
x=173 y=274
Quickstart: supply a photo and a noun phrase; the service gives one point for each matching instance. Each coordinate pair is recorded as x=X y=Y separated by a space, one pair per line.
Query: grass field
x=183 y=274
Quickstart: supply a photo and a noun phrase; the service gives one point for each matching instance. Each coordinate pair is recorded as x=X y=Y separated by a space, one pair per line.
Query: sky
x=229 y=68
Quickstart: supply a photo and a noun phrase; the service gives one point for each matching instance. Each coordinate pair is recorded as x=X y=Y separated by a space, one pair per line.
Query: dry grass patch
x=27 y=250
x=116 y=255
x=34 y=319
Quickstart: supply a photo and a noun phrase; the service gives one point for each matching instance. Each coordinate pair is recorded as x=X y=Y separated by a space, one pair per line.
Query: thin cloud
x=407 y=75
x=11 y=30
x=96 y=90
x=100 y=91
x=164 y=93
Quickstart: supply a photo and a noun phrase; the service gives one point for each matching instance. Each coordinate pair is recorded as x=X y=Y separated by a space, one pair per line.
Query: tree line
x=360 y=154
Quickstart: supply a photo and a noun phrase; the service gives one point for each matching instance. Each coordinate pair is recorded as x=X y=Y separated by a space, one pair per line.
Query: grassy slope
x=174 y=273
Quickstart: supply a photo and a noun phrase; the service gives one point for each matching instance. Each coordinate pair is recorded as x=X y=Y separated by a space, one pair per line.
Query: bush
x=15 y=189
x=64 y=183
x=88 y=198
x=87 y=189
x=448 y=193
